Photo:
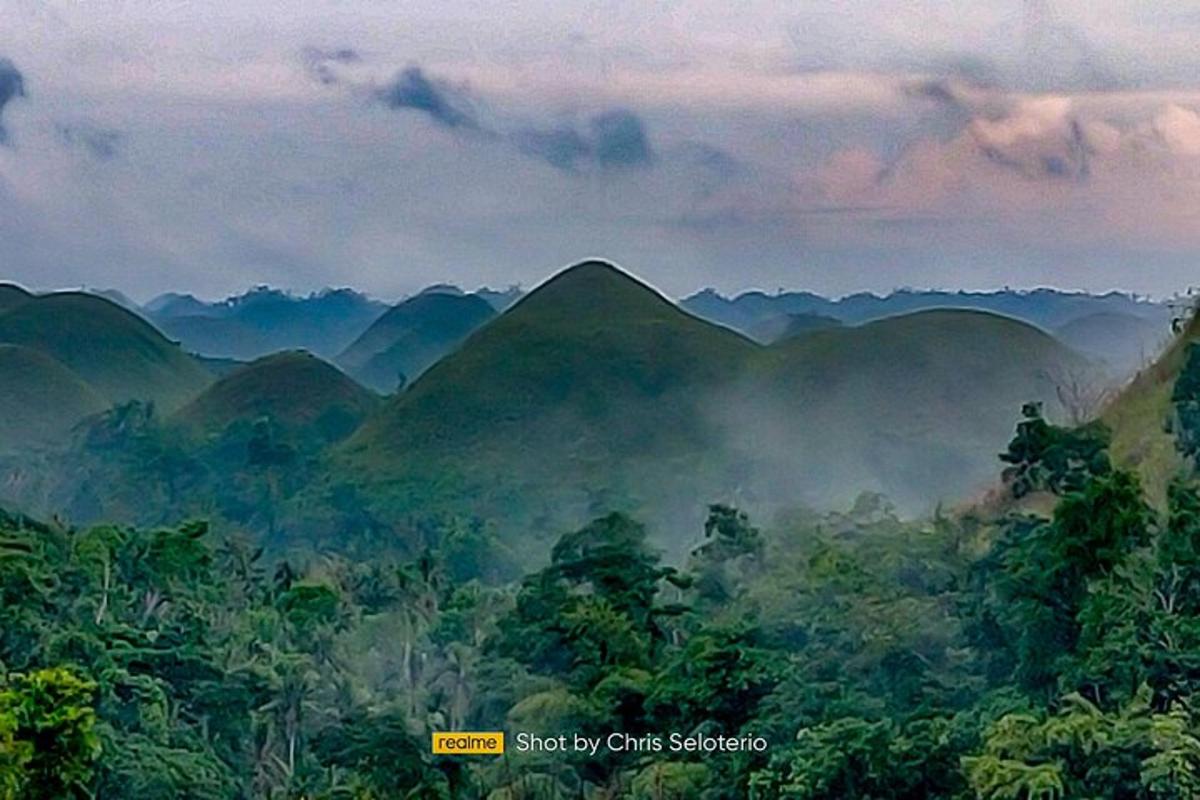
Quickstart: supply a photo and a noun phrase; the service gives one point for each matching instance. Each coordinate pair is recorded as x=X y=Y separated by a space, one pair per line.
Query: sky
x=830 y=145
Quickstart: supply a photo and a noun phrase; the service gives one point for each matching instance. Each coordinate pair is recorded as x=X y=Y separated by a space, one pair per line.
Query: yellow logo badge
x=465 y=743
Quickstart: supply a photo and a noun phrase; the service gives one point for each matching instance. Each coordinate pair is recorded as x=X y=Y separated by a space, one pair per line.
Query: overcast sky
x=831 y=145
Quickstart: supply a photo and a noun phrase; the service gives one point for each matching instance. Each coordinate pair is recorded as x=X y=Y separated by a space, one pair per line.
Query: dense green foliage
x=1185 y=398
x=1023 y=658
x=1054 y=458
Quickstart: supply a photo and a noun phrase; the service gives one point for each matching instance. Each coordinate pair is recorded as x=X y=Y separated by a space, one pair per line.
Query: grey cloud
x=619 y=139
x=101 y=143
x=320 y=63
x=563 y=148
x=12 y=86
x=413 y=90
x=614 y=139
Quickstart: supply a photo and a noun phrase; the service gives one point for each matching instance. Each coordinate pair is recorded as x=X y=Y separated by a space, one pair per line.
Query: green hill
x=789 y=326
x=915 y=406
x=587 y=390
x=40 y=399
x=413 y=335
x=1139 y=415
x=594 y=391
x=120 y=355
x=12 y=296
x=295 y=389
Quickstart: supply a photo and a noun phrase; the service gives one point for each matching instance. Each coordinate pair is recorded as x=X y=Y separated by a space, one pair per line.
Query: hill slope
x=1047 y=308
x=40 y=399
x=789 y=326
x=119 y=354
x=594 y=391
x=1139 y=416
x=412 y=336
x=587 y=386
x=915 y=406
x=295 y=389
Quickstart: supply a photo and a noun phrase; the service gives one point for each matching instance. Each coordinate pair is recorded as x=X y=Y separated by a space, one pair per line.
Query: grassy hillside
x=1138 y=418
x=116 y=352
x=40 y=399
x=789 y=326
x=596 y=391
x=589 y=385
x=915 y=407
x=412 y=336
x=295 y=389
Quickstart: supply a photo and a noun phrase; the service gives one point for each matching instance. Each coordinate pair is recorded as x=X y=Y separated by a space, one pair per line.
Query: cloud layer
x=863 y=144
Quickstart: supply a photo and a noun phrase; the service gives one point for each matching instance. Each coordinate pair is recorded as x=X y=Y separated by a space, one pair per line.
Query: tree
x=48 y=742
x=1046 y=457
x=1047 y=566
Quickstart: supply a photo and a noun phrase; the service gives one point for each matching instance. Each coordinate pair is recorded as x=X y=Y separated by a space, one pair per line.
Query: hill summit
x=115 y=351
x=592 y=378
x=294 y=389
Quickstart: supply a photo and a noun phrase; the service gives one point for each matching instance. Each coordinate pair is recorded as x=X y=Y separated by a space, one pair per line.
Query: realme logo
x=468 y=744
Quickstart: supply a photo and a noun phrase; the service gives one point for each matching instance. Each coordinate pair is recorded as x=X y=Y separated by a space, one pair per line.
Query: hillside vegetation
x=412 y=336
x=594 y=391
x=295 y=389
x=40 y=399
x=587 y=385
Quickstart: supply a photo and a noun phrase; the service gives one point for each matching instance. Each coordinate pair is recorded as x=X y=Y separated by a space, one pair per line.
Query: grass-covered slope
x=589 y=385
x=119 y=354
x=40 y=399
x=594 y=390
x=790 y=326
x=295 y=389
x=1139 y=414
x=915 y=406
x=413 y=335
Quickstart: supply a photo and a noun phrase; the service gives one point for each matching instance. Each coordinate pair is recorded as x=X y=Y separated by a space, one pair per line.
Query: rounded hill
x=412 y=336
x=590 y=386
x=585 y=345
x=294 y=389
x=915 y=406
x=119 y=354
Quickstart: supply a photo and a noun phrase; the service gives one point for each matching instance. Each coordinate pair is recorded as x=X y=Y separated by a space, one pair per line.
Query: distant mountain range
x=265 y=321
x=1049 y=309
